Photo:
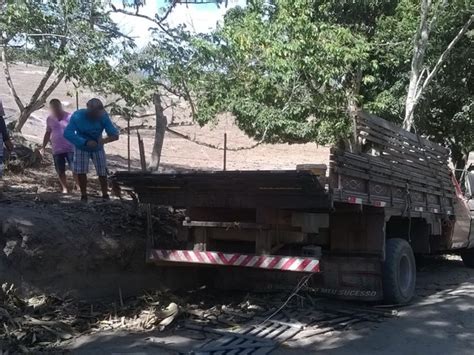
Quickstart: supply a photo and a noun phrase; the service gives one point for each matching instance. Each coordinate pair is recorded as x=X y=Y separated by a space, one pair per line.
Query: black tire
x=399 y=272
x=468 y=258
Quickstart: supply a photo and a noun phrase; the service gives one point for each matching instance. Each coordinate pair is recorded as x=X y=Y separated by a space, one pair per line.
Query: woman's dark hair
x=55 y=103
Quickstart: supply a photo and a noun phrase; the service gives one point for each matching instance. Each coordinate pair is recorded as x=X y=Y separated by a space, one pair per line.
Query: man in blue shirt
x=84 y=131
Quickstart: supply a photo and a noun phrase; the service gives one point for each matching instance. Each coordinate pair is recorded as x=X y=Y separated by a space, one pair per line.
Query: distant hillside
x=178 y=153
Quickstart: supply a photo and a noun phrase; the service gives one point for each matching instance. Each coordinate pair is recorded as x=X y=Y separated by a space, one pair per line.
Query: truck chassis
x=358 y=227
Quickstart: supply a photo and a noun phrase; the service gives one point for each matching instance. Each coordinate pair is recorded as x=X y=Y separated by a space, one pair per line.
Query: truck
x=356 y=226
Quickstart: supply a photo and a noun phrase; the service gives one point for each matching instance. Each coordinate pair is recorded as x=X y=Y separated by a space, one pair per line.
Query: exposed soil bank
x=87 y=251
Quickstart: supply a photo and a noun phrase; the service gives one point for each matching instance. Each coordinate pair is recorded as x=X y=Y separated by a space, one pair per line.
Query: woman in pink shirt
x=63 y=151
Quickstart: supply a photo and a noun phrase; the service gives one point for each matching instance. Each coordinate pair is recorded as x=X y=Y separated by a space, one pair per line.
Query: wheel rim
x=405 y=276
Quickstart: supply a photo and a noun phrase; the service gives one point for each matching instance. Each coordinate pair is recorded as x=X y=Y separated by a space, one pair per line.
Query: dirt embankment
x=55 y=244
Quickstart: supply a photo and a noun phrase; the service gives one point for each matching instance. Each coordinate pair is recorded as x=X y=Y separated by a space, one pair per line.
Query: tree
x=442 y=109
x=166 y=60
x=293 y=71
x=445 y=111
x=420 y=75
x=73 y=37
x=288 y=70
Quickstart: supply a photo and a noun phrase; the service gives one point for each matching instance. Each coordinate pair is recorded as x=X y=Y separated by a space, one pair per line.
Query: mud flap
x=351 y=278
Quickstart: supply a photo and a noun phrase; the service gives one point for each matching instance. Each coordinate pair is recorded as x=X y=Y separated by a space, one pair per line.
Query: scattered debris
x=46 y=322
x=25 y=155
x=281 y=325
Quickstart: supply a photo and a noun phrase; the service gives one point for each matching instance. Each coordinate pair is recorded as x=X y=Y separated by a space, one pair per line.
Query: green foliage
x=288 y=70
x=77 y=39
x=445 y=111
x=85 y=27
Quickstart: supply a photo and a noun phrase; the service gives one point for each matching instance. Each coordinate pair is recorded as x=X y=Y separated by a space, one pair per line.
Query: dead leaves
x=49 y=323
x=46 y=322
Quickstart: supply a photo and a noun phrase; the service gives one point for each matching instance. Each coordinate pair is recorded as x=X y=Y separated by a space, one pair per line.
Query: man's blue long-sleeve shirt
x=81 y=129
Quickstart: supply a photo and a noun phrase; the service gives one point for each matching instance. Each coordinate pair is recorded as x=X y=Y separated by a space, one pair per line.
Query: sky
x=198 y=18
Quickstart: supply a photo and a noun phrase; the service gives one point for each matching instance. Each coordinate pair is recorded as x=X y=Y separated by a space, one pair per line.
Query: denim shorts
x=60 y=161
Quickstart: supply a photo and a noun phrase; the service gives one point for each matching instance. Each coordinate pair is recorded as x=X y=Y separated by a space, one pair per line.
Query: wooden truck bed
x=290 y=189
x=394 y=169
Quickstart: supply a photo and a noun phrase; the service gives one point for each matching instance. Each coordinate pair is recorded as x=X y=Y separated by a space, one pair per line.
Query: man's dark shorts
x=60 y=161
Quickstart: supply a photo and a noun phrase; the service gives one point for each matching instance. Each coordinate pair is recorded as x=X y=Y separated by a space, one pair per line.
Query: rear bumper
x=268 y=262
x=343 y=277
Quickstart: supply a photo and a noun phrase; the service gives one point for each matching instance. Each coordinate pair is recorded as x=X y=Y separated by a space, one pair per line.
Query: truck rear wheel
x=468 y=258
x=399 y=272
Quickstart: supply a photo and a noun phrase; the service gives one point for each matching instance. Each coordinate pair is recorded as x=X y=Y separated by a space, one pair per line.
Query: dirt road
x=438 y=322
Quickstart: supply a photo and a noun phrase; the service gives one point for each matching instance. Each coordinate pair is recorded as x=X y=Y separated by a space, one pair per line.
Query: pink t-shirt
x=56 y=127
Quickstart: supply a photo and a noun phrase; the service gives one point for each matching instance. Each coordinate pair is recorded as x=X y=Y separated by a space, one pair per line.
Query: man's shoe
x=106 y=197
x=84 y=198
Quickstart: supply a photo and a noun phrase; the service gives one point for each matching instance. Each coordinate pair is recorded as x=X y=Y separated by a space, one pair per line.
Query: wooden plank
x=238 y=344
x=388 y=140
x=386 y=134
x=374 y=120
x=427 y=165
x=350 y=158
x=408 y=153
x=221 y=332
x=260 y=330
x=343 y=196
x=287 y=335
x=365 y=176
x=228 y=225
x=380 y=161
x=411 y=160
x=264 y=350
x=416 y=152
x=242 y=350
x=394 y=172
x=428 y=183
x=280 y=330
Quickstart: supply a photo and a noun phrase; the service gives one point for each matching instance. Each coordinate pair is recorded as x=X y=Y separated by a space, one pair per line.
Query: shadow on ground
x=438 y=322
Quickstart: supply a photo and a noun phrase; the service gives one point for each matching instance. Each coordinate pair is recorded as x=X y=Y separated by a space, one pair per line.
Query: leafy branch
x=158 y=21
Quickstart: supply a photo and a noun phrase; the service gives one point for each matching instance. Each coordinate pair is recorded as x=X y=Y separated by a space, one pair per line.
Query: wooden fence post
x=225 y=151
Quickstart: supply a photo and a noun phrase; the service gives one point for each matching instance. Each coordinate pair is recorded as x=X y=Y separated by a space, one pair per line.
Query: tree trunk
x=417 y=83
x=8 y=78
x=353 y=108
x=419 y=50
x=24 y=116
x=40 y=95
x=160 y=130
